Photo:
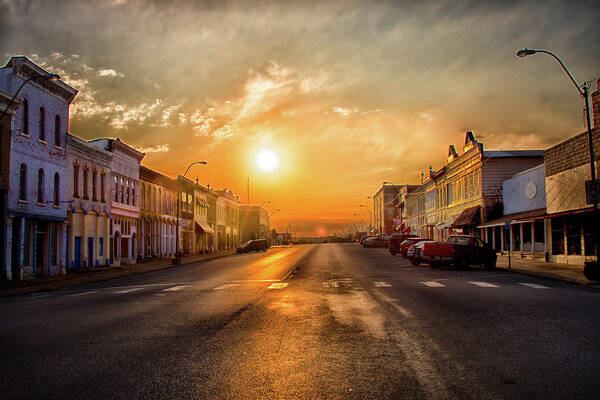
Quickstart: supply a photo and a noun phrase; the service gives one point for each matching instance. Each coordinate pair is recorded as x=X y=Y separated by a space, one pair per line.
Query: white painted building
x=125 y=209
x=37 y=198
x=89 y=212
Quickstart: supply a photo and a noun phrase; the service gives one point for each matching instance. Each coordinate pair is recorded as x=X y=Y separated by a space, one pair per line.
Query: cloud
x=110 y=72
x=159 y=148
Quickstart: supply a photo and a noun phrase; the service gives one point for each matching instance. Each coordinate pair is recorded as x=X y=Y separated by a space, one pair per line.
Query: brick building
x=385 y=208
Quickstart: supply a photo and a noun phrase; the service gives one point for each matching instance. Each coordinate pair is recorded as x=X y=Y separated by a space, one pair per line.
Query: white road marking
x=257 y=280
x=483 y=284
x=433 y=284
x=82 y=293
x=226 y=286
x=278 y=285
x=534 y=285
x=382 y=284
x=40 y=296
x=175 y=288
x=129 y=290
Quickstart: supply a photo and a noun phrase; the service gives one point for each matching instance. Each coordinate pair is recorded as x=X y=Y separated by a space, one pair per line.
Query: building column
x=533 y=236
x=502 y=234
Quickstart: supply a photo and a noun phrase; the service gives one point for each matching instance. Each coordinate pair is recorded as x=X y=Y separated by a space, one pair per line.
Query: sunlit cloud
x=159 y=148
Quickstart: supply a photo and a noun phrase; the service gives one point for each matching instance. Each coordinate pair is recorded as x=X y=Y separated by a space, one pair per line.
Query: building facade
x=385 y=211
x=254 y=222
x=125 y=210
x=205 y=234
x=36 y=206
x=157 y=223
x=231 y=201
x=187 y=235
x=88 y=214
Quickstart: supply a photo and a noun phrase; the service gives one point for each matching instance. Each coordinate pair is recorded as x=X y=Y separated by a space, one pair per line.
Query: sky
x=348 y=94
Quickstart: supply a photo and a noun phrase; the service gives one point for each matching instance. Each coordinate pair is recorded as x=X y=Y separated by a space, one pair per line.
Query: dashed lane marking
x=433 y=284
x=382 y=284
x=534 y=285
x=226 y=286
x=82 y=293
x=129 y=290
x=278 y=285
x=484 y=284
x=175 y=288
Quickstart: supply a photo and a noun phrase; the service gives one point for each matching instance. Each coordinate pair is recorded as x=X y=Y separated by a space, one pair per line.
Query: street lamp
x=177 y=255
x=591 y=270
x=361 y=221
x=370 y=215
x=52 y=77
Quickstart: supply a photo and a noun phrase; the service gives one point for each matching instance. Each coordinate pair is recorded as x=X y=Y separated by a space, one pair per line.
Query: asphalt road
x=349 y=323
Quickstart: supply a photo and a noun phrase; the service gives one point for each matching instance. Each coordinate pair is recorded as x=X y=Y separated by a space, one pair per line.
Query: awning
x=516 y=218
x=468 y=217
x=203 y=227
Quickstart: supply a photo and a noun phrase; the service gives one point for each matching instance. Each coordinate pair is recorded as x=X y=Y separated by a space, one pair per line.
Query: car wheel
x=490 y=264
x=415 y=263
x=434 y=265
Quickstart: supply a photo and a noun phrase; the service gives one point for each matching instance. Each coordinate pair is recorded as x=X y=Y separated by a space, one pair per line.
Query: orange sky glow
x=347 y=95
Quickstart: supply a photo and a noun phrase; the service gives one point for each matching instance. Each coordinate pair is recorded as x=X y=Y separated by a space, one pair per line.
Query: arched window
x=85 y=183
x=143 y=202
x=23 y=183
x=57 y=130
x=159 y=199
x=56 y=189
x=42 y=124
x=25 y=117
x=41 y=186
x=154 y=200
x=75 y=180
x=149 y=200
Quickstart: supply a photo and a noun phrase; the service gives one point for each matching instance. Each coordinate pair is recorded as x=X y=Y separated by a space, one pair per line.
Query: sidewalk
x=562 y=272
x=90 y=275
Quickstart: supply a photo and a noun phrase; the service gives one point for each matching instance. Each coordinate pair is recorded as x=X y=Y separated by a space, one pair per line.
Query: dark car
x=409 y=242
x=376 y=241
x=253 y=245
x=396 y=240
x=460 y=251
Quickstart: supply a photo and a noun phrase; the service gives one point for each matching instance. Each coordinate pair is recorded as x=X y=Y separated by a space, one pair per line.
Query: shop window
x=589 y=232
x=527 y=245
x=54 y=245
x=100 y=246
x=27 y=243
x=23 y=183
x=573 y=237
x=558 y=236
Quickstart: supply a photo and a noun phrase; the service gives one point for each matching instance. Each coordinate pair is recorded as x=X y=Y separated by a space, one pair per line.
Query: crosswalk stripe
x=534 y=285
x=226 y=286
x=129 y=290
x=175 y=288
x=278 y=285
x=82 y=294
x=484 y=284
x=382 y=284
x=433 y=284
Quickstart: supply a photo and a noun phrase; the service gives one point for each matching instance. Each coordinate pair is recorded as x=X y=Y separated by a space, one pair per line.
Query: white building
x=89 y=212
x=125 y=209
x=37 y=206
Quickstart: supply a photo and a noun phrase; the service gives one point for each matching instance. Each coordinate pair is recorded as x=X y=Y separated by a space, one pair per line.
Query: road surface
x=348 y=323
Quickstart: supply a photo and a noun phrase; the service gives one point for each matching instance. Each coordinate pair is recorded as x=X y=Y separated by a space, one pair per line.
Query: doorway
x=90 y=254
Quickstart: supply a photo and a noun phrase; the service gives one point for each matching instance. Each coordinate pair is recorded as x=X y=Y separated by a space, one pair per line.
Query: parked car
x=396 y=240
x=362 y=239
x=376 y=241
x=459 y=250
x=409 y=242
x=414 y=252
x=253 y=245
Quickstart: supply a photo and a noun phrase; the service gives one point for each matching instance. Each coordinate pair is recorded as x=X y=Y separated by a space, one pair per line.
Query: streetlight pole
x=177 y=254
x=591 y=270
x=361 y=221
x=52 y=77
x=370 y=215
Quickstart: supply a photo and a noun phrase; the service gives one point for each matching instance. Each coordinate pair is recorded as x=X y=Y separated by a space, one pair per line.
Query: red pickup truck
x=459 y=250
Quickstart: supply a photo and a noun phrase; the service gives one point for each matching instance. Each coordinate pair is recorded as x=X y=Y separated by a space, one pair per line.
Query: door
x=77 y=252
x=90 y=255
x=15 y=249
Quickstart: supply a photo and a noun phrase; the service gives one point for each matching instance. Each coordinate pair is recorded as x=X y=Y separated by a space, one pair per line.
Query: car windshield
x=459 y=240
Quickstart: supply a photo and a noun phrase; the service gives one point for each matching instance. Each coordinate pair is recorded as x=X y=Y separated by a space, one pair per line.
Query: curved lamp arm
x=190 y=166
x=527 y=52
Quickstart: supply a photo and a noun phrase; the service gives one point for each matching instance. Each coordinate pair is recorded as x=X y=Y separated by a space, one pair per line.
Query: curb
x=297 y=264
x=100 y=278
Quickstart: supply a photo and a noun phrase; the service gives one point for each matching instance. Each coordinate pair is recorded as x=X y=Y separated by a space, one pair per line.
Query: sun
x=267 y=160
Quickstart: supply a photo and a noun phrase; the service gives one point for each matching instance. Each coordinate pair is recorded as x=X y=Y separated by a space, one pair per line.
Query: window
x=573 y=236
x=122 y=191
x=54 y=245
x=159 y=199
x=94 y=185
x=76 y=181
x=127 y=191
x=42 y=124
x=56 y=189
x=25 y=117
x=57 y=130
x=132 y=194
x=558 y=236
x=143 y=197
x=40 y=188
x=149 y=199
x=23 y=183
x=116 y=189
x=102 y=185
x=27 y=242
x=85 y=184
x=101 y=246
x=154 y=200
